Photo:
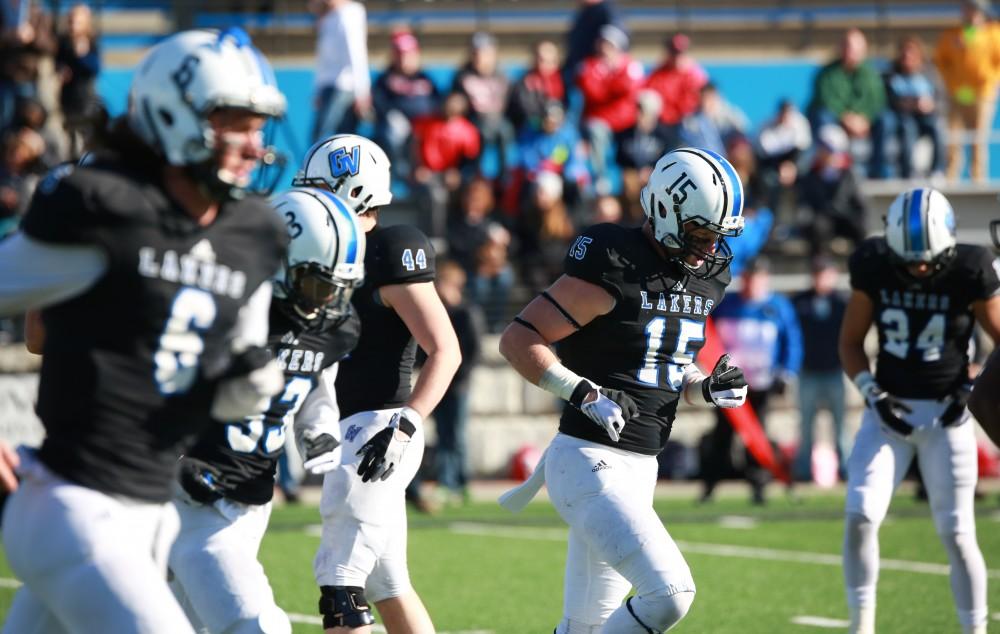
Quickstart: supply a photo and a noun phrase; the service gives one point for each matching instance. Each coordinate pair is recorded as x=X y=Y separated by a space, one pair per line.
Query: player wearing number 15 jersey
x=627 y=319
x=923 y=292
x=152 y=264
x=227 y=478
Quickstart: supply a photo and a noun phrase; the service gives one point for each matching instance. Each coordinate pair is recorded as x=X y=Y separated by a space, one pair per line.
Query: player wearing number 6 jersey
x=627 y=319
x=227 y=478
x=153 y=266
x=923 y=292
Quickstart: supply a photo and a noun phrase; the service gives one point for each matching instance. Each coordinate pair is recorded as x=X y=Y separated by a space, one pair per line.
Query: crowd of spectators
x=554 y=143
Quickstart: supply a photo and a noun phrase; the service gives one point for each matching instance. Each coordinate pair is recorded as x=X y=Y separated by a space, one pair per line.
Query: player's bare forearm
x=526 y=351
x=987 y=314
x=984 y=402
x=435 y=377
x=34 y=332
x=851 y=345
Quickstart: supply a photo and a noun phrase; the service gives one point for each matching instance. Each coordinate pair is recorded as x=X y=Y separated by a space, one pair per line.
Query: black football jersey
x=641 y=347
x=377 y=374
x=923 y=327
x=247 y=452
x=130 y=365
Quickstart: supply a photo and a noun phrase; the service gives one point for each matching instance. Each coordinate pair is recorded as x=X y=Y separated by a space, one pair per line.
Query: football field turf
x=772 y=569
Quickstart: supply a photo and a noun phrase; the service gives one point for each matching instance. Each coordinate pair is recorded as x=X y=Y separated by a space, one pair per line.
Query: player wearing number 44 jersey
x=227 y=478
x=362 y=553
x=152 y=265
x=627 y=319
x=923 y=292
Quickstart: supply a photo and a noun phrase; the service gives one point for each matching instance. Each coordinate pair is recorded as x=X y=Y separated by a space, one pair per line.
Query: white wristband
x=559 y=380
x=863 y=380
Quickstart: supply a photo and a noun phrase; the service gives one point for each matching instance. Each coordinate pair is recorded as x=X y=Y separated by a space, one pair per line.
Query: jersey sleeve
x=985 y=279
x=62 y=211
x=592 y=258
x=866 y=267
x=403 y=255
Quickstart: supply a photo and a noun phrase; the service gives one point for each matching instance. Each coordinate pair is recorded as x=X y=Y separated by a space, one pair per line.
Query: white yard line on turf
x=315 y=620
x=9 y=583
x=821 y=621
x=720 y=550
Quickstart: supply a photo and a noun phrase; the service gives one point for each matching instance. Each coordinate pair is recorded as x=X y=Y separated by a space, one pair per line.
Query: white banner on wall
x=18 y=423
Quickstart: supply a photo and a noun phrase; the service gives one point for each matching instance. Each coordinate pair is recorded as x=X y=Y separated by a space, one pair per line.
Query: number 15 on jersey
x=688 y=331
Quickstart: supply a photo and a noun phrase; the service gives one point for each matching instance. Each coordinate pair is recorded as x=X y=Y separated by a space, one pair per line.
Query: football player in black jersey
x=362 y=553
x=153 y=267
x=227 y=478
x=627 y=320
x=923 y=293
x=984 y=402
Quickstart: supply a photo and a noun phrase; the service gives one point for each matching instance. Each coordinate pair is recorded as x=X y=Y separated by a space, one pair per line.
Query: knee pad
x=659 y=612
x=344 y=606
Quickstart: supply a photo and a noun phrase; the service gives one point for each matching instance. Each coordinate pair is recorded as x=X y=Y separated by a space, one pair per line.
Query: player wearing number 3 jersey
x=152 y=264
x=627 y=320
x=227 y=478
x=923 y=292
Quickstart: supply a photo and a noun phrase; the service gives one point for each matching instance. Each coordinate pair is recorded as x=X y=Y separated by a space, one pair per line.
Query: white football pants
x=364 y=523
x=948 y=463
x=90 y=562
x=616 y=540
x=216 y=576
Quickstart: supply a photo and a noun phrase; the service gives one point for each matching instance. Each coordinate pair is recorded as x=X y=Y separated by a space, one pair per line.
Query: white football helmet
x=920 y=227
x=351 y=166
x=182 y=80
x=694 y=188
x=326 y=256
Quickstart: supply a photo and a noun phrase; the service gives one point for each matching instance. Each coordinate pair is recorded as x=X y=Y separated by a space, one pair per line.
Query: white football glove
x=384 y=451
x=247 y=395
x=725 y=387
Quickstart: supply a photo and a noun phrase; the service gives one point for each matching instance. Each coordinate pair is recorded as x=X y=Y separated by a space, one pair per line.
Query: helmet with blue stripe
x=326 y=256
x=920 y=228
x=689 y=189
x=185 y=78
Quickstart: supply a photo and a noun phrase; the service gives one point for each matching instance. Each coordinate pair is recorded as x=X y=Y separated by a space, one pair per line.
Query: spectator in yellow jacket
x=968 y=58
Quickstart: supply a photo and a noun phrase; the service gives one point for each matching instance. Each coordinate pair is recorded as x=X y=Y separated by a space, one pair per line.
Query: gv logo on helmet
x=343 y=163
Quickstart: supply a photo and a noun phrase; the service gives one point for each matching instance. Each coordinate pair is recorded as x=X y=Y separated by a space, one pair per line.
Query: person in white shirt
x=343 y=85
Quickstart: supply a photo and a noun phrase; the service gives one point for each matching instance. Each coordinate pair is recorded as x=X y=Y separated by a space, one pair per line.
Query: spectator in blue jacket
x=821 y=381
x=759 y=329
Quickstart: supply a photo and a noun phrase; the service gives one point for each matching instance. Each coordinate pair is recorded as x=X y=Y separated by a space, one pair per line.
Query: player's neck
x=189 y=196
x=647 y=230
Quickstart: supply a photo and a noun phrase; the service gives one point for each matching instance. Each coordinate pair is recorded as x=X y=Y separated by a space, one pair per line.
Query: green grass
x=512 y=583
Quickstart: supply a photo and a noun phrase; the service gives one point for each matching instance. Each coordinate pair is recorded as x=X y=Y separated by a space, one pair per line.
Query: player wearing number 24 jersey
x=923 y=293
x=227 y=479
x=627 y=320
x=152 y=264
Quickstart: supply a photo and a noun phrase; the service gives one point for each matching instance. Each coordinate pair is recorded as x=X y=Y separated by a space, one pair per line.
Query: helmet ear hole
x=661 y=209
x=166 y=117
x=356 y=191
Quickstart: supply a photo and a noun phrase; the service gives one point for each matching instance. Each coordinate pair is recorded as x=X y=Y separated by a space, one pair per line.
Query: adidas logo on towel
x=600 y=466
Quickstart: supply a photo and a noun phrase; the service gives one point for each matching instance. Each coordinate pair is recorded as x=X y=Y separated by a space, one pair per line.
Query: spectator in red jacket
x=610 y=81
x=541 y=85
x=678 y=80
x=446 y=145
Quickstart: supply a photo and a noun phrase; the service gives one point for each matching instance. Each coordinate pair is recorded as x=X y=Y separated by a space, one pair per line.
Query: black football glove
x=384 y=451
x=320 y=453
x=202 y=481
x=609 y=408
x=957 y=401
x=726 y=387
x=890 y=409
